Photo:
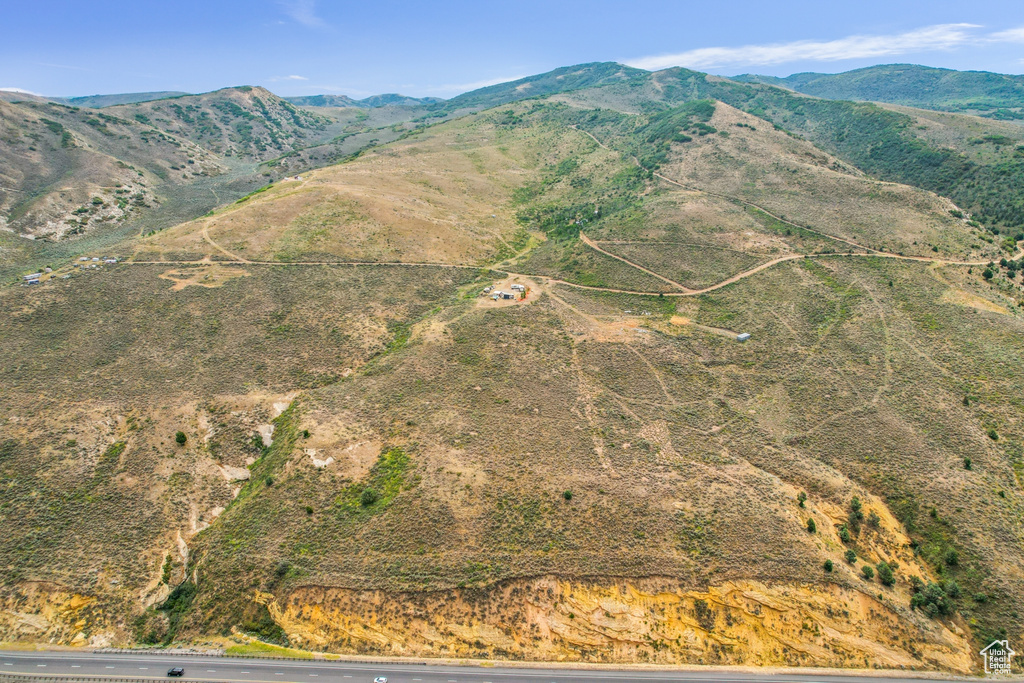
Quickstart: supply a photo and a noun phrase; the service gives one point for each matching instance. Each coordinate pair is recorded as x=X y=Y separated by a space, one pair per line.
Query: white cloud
x=22 y=91
x=1013 y=35
x=303 y=12
x=287 y=78
x=928 y=38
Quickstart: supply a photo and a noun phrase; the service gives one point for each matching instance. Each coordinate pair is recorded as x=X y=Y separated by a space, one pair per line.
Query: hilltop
x=379 y=454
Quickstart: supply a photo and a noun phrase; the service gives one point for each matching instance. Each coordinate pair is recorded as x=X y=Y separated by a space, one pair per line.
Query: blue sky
x=297 y=47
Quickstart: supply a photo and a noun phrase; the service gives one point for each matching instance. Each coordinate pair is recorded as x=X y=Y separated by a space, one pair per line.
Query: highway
x=87 y=665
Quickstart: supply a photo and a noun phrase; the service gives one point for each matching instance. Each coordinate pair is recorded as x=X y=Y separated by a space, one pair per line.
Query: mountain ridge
x=991 y=94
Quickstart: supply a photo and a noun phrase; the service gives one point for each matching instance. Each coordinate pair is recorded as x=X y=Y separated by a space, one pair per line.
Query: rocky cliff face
x=653 y=620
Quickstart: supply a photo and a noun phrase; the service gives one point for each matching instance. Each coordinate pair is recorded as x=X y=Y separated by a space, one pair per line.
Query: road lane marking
x=76 y=666
x=40 y=665
x=143 y=668
x=109 y=667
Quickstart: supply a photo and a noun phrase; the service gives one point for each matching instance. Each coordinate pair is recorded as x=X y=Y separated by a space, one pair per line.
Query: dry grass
x=445 y=197
x=794 y=179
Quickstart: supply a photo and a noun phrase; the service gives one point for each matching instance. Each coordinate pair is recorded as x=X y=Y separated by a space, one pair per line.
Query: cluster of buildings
x=94 y=262
x=33 y=278
x=84 y=262
x=518 y=291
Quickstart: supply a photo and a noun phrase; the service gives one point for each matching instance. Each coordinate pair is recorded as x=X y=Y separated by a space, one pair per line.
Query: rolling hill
x=315 y=423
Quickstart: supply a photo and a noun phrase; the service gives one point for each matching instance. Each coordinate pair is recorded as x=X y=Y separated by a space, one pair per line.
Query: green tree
x=368 y=497
x=811 y=526
x=567 y=494
x=180 y=438
x=868 y=572
x=885 y=573
x=828 y=565
x=850 y=556
x=801 y=498
x=968 y=463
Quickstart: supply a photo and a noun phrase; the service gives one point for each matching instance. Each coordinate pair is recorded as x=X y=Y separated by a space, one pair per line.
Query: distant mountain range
x=912 y=85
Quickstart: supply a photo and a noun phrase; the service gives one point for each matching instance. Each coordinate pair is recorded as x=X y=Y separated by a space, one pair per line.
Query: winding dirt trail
x=587 y=241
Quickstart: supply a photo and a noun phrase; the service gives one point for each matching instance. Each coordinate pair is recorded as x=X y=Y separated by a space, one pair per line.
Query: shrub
x=368 y=497
x=305 y=433
x=165 y=574
x=828 y=565
x=256 y=443
x=952 y=589
x=309 y=509
x=932 y=600
x=850 y=556
x=180 y=438
x=844 y=534
x=567 y=495
x=951 y=557
x=269 y=481
x=868 y=572
x=874 y=520
x=967 y=463
x=811 y=526
x=992 y=434
x=885 y=574
x=801 y=498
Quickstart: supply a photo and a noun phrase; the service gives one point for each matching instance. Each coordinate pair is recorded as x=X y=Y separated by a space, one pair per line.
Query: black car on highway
x=176 y=671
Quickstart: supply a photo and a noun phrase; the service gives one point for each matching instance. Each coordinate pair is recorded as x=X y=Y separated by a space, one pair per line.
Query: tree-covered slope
x=992 y=94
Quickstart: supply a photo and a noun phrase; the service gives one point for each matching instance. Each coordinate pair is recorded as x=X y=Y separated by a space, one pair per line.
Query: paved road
x=226 y=669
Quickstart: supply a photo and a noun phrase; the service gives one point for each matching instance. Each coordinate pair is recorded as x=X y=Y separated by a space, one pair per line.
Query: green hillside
x=881 y=142
x=564 y=79
x=999 y=96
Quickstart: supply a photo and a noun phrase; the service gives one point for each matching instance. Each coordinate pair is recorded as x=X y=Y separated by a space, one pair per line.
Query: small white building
x=519 y=288
x=743 y=336
x=33 y=276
